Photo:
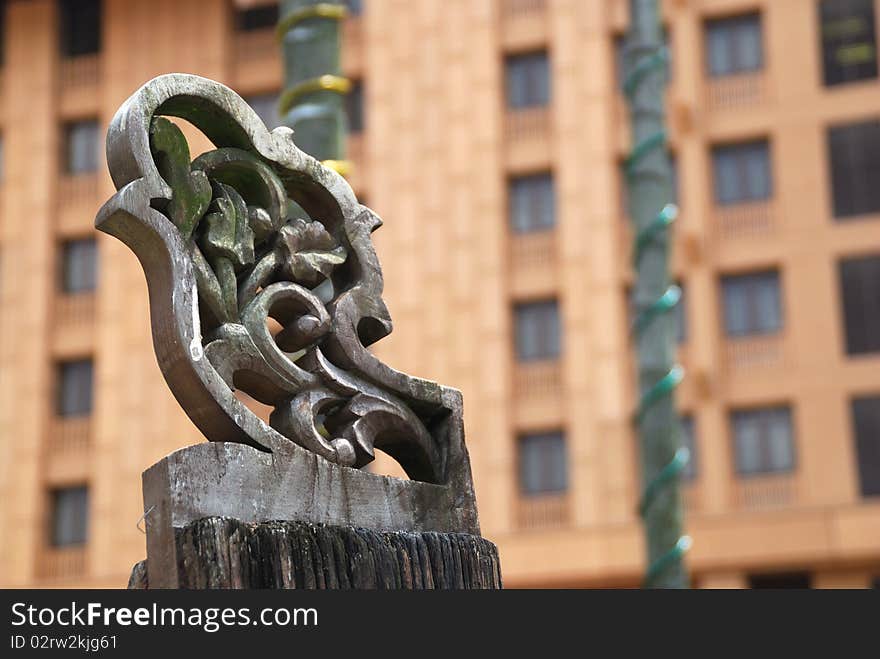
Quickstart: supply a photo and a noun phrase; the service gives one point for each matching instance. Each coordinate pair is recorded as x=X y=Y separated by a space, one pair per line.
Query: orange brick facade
x=433 y=160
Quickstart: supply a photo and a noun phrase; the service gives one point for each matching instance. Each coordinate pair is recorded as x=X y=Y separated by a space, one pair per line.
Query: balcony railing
x=765 y=491
x=76 y=189
x=541 y=379
x=75 y=310
x=80 y=72
x=736 y=92
x=61 y=563
x=746 y=220
x=754 y=352
x=527 y=124
x=514 y=9
x=69 y=434
x=533 y=250
x=543 y=511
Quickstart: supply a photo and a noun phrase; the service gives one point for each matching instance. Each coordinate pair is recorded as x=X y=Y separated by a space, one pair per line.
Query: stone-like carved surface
x=252 y=232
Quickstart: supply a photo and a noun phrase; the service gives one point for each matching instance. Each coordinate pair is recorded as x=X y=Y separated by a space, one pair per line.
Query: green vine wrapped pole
x=649 y=181
x=314 y=88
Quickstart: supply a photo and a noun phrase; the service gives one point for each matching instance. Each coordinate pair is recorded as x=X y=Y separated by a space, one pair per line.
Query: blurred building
x=489 y=135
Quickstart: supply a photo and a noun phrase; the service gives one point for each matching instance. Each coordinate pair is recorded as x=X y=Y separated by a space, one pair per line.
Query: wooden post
x=253 y=230
x=226 y=515
x=218 y=552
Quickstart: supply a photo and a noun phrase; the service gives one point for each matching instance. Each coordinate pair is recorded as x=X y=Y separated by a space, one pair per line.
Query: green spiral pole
x=312 y=103
x=649 y=184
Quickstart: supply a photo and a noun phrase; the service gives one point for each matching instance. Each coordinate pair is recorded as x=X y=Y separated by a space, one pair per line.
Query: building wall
x=434 y=162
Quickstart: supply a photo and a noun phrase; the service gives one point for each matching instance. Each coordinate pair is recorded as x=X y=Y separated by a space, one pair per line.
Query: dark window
x=854 y=156
x=531 y=203
x=70 y=513
x=79 y=265
x=75 y=388
x=763 y=440
x=81 y=147
x=542 y=463
x=752 y=304
x=866 y=422
x=354 y=107
x=734 y=45
x=741 y=172
x=849 y=40
x=780 y=580
x=528 y=80
x=860 y=291
x=79 y=27
x=262 y=17
x=537 y=330
x=266 y=107
x=689 y=441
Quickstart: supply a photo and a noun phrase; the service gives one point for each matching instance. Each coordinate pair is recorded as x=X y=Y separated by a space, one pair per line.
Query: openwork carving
x=263 y=279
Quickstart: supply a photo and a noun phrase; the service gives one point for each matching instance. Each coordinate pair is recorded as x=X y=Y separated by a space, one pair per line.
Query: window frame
x=848 y=209
x=737 y=66
x=741 y=153
x=536 y=95
x=752 y=278
x=80 y=534
x=72 y=404
x=766 y=469
x=869 y=487
x=541 y=202
x=67 y=249
x=90 y=160
x=71 y=21
x=545 y=326
x=552 y=484
x=857 y=339
x=847 y=76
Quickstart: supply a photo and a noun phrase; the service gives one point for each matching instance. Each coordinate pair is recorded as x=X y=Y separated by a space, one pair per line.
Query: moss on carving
x=191 y=190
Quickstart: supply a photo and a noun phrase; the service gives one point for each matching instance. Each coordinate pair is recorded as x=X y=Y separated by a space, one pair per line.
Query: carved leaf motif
x=227 y=232
x=191 y=190
x=255 y=181
x=309 y=252
x=227 y=241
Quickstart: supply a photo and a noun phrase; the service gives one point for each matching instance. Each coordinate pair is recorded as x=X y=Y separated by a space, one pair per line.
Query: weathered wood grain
x=218 y=552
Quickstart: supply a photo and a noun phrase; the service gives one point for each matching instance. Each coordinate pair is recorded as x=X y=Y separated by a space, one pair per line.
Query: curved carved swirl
x=263 y=279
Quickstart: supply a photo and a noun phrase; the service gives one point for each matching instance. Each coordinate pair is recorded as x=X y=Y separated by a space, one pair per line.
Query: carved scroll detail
x=263 y=279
